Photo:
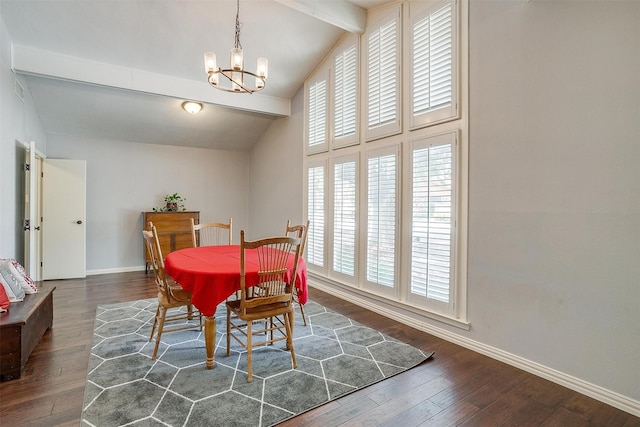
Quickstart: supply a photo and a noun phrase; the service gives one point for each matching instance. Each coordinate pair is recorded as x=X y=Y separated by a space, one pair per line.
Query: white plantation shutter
x=383 y=78
x=383 y=118
x=381 y=219
x=317 y=115
x=345 y=94
x=432 y=218
x=433 y=88
x=344 y=217
x=315 y=214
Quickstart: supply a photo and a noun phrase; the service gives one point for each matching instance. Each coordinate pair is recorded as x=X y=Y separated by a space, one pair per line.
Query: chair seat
x=260 y=312
x=178 y=292
x=176 y=300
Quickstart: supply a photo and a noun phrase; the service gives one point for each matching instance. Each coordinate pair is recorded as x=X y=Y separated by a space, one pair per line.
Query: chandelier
x=236 y=78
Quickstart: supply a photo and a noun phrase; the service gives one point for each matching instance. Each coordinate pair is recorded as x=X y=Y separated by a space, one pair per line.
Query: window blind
x=381 y=220
x=315 y=213
x=345 y=67
x=317 y=113
x=382 y=74
x=344 y=217
x=432 y=217
x=432 y=61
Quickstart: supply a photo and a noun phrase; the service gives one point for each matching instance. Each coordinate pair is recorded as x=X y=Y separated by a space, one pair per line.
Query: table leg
x=209 y=339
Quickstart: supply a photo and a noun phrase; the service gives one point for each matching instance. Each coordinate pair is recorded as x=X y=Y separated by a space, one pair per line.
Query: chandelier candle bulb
x=236 y=59
x=210 y=67
x=263 y=67
x=210 y=62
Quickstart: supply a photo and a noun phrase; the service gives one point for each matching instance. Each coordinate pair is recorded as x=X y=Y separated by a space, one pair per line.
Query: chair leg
x=249 y=347
x=271 y=327
x=155 y=322
x=228 y=332
x=163 y=313
x=304 y=318
x=189 y=311
x=288 y=321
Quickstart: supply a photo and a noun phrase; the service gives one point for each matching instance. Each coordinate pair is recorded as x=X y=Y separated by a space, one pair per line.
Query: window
x=433 y=69
x=382 y=205
x=387 y=199
x=345 y=69
x=432 y=221
x=345 y=211
x=316 y=112
x=315 y=214
x=383 y=77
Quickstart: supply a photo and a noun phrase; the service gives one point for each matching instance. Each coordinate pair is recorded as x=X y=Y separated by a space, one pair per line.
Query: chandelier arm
x=239 y=84
x=229 y=71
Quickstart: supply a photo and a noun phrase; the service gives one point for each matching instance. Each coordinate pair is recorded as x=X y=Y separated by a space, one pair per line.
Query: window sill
x=408 y=314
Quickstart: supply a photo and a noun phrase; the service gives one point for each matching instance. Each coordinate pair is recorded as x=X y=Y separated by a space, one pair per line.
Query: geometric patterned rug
x=335 y=356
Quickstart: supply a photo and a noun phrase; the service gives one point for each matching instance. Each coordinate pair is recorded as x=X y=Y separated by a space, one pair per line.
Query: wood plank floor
x=457 y=387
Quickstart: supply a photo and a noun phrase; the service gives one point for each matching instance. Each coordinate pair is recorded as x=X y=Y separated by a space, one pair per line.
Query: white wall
x=554 y=234
x=276 y=175
x=554 y=193
x=19 y=123
x=125 y=179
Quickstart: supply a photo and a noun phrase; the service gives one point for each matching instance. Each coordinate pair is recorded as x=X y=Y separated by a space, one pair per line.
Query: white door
x=63 y=219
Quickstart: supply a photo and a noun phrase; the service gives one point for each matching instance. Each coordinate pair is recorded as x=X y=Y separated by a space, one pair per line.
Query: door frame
x=32 y=193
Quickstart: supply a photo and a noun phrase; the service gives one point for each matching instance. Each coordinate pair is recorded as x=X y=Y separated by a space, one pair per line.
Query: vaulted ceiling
x=113 y=69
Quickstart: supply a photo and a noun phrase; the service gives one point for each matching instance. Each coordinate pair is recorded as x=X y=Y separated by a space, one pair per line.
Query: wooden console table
x=21 y=329
x=174 y=230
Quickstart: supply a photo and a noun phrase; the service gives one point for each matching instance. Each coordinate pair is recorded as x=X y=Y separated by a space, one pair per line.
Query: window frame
x=395 y=127
x=322 y=163
x=342 y=277
x=319 y=76
x=377 y=288
x=348 y=42
x=415 y=12
x=428 y=141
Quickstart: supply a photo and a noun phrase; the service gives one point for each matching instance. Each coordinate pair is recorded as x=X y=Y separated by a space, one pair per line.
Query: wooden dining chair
x=272 y=305
x=299 y=231
x=211 y=233
x=171 y=296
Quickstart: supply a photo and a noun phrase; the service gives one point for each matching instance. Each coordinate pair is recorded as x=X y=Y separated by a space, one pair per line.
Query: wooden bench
x=21 y=329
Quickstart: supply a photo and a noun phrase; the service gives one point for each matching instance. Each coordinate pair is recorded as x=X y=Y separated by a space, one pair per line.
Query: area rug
x=335 y=356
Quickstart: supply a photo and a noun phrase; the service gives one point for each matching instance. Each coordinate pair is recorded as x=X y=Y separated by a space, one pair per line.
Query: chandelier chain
x=238 y=25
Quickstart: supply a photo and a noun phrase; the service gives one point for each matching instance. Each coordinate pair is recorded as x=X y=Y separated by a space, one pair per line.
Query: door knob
x=79 y=221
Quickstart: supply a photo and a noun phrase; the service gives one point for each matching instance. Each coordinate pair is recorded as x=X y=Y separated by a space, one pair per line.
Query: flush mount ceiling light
x=191 y=107
x=234 y=76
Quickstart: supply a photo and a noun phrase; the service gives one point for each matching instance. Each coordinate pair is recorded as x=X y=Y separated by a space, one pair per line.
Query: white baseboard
x=116 y=270
x=604 y=395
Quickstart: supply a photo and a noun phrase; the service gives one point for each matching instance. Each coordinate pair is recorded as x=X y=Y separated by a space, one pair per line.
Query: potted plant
x=173 y=203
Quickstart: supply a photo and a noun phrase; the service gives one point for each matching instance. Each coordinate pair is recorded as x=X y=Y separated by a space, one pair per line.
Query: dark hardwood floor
x=456 y=387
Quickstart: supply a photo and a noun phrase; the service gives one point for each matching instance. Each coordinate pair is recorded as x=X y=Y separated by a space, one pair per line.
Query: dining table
x=212 y=274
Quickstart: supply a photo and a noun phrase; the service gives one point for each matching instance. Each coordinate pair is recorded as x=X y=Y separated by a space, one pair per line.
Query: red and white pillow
x=4 y=300
x=15 y=281
x=25 y=281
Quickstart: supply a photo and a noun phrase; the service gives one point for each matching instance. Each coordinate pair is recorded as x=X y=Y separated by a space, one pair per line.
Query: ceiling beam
x=339 y=13
x=26 y=60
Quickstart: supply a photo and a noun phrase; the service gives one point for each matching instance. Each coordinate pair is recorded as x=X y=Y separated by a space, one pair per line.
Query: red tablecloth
x=212 y=273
